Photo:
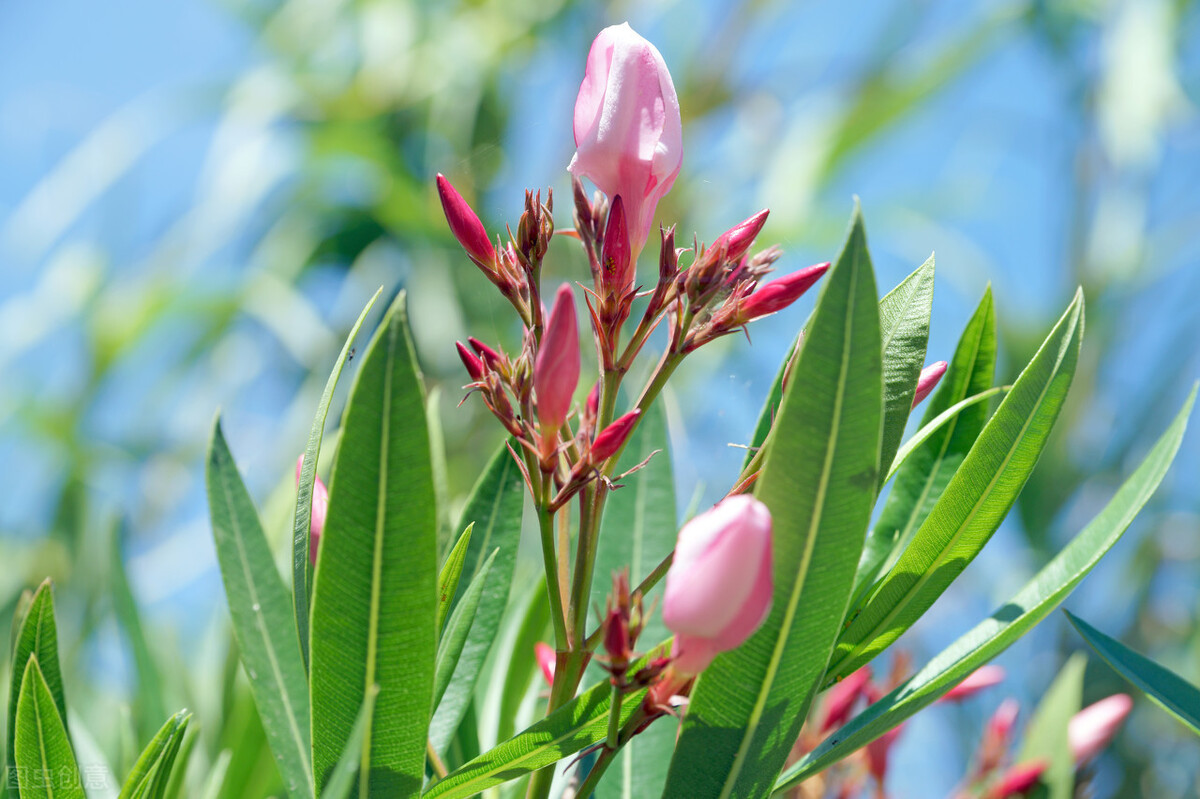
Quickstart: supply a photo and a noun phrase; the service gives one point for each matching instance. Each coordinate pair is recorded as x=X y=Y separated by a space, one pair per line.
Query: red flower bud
x=928 y=380
x=613 y=437
x=556 y=370
x=616 y=638
x=486 y=353
x=781 y=292
x=737 y=239
x=473 y=364
x=1018 y=780
x=465 y=226
x=842 y=697
x=616 y=259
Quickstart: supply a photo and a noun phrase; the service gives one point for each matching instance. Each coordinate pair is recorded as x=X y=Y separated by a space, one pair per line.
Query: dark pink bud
x=320 y=509
x=616 y=638
x=473 y=364
x=928 y=380
x=842 y=698
x=486 y=353
x=556 y=370
x=465 y=225
x=616 y=259
x=781 y=292
x=737 y=239
x=1018 y=780
x=612 y=438
x=593 y=401
x=546 y=659
x=877 y=753
x=983 y=677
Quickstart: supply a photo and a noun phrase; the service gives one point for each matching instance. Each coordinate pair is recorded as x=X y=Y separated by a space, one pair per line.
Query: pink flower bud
x=878 y=751
x=1091 y=729
x=719 y=587
x=842 y=697
x=546 y=660
x=593 y=400
x=320 y=508
x=556 y=371
x=616 y=260
x=465 y=226
x=1000 y=725
x=613 y=437
x=628 y=133
x=473 y=364
x=1018 y=780
x=781 y=292
x=737 y=239
x=488 y=355
x=928 y=380
x=983 y=677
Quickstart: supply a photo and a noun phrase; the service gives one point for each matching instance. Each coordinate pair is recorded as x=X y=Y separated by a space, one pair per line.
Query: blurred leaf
x=533 y=615
x=904 y=326
x=262 y=618
x=45 y=764
x=1046 y=735
x=38 y=640
x=975 y=501
x=494 y=507
x=819 y=481
x=149 y=684
x=920 y=483
x=450 y=573
x=341 y=779
x=451 y=646
x=92 y=761
x=374 y=595
x=302 y=521
x=1009 y=622
x=1166 y=688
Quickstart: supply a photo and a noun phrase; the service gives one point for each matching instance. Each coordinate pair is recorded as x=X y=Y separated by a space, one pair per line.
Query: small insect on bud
x=616 y=259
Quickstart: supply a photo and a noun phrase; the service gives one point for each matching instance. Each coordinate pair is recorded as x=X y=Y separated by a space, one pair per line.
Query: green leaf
x=638 y=531
x=534 y=615
x=1166 y=688
x=494 y=507
x=1046 y=735
x=302 y=520
x=155 y=785
x=374 y=595
x=437 y=464
x=450 y=573
x=38 y=639
x=1010 y=621
x=341 y=780
x=174 y=787
x=262 y=617
x=938 y=422
x=149 y=682
x=904 y=326
x=45 y=764
x=819 y=481
x=923 y=477
x=451 y=646
x=975 y=501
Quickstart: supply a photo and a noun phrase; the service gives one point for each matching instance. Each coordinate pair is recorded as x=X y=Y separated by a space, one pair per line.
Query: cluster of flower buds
x=624 y=621
x=320 y=509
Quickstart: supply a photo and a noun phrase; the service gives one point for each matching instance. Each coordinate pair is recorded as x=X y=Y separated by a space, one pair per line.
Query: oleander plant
x=405 y=653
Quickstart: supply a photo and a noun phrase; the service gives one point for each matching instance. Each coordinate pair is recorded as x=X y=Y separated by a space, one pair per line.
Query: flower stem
x=614 y=718
x=603 y=761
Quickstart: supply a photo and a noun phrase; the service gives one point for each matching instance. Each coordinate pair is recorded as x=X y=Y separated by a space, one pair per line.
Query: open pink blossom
x=1094 y=727
x=628 y=132
x=320 y=508
x=719 y=587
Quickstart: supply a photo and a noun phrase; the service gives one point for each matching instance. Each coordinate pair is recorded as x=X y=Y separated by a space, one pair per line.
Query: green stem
x=652 y=579
x=603 y=761
x=614 y=718
x=546 y=527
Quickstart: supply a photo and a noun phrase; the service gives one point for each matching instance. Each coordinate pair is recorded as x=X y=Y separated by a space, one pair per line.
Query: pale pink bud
x=616 y=260
x=781 y=292
x=469 y=359
x=719 y=587
x=1091 y=729
x=546 y=660
x=613 y=437
x=983 y=677
x=628 y=133
x=320 y=508
x=928 y=380
x=1001 y=724
x=556 y=371
x=465 y=225
x=737 y=239
x=1018 y=780
x=842 y=697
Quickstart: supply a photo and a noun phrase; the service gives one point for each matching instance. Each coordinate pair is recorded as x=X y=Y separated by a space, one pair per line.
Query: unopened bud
x=928 y=380
x=616 y=639
x=781 y=292
x=983 y=677
x=546 y=659
x=737 y=239
x=613 y=437
x=616 y=267
x=556 y=371
x=842 y=697
x=488 y=355
x=473 y=364
x=465 y=225
x=1018 y=780
x=1091 y=729
x=320 y=509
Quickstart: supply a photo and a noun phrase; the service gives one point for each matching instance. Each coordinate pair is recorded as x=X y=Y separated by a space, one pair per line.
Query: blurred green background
x=197 y=198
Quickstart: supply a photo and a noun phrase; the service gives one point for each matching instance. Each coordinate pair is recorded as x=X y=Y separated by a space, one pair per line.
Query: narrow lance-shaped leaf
x=262 y=618
x=1010 y=621
x=451 y=646
x=45 y=764
x=1166 y=688
x=975 y=501
x=904 y=326
x=139 y=774
x=149 y=682
x=922 y=479
x=450 y=574
x=1045 y=736
x=494 y=507
x=375 y=593
x=38 y=639
x=819 y=483
x=302 y=520
x=341 y=780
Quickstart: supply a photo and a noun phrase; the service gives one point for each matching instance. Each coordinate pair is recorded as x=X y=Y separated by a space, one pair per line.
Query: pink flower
x=719 y=587
x=1091 y=729
x=546 y=660
x=556 y=370
x=613 y=437
x=737 y=239
x=983 y=677
x=928 y=380
x=781 y=292
x=320 y=508
x=628 y=133
x=842 y=697
x=466 y=227
x=1018 y=780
